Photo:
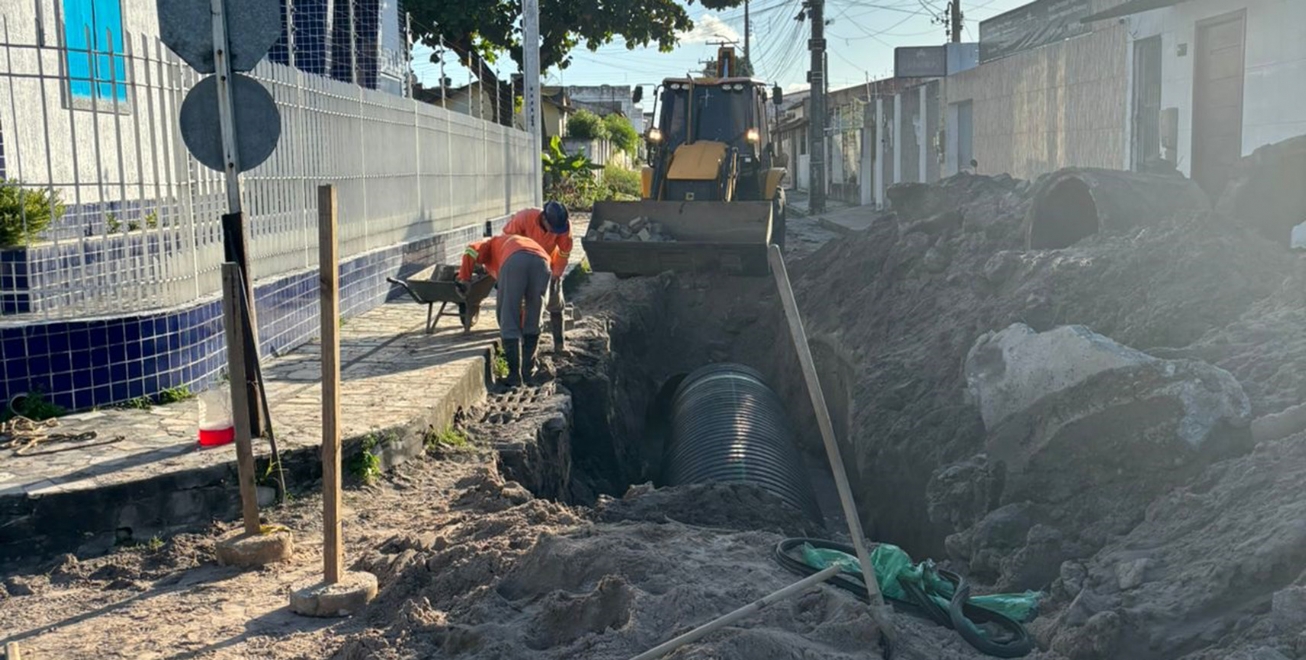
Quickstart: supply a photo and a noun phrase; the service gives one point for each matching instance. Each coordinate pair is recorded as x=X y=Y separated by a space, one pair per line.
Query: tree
x=483 y=28
x=587 y=126
x=621 y=133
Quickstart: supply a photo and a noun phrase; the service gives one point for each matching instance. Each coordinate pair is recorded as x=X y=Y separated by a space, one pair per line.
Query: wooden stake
x=233 y=318
x=329 y=280
x=747 y=610
x=878 y=609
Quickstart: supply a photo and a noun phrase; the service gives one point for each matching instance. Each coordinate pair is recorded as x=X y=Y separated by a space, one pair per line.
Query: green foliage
x=139 y=403
x=490 y=27
x=577 y=278
x=171 y=395
x=25 y=212
x=587 y=126
x=500 y=366
x=366 y=465
x=621 y=181
x=175 y=395
x=152 y=220
x=111 y=219
x=622 y=133
x=449 y=438
x=36 y=408
x=568 y=178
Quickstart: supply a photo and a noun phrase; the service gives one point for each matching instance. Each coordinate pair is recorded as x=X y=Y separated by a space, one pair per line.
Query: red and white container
x=216 y=425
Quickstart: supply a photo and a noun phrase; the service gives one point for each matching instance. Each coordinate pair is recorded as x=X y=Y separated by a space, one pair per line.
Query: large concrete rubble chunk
x=1010 y=370
x=1071 y=399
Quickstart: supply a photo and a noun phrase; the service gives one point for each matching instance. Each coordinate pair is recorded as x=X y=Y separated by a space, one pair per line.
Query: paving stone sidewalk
x=390 y=368
x=392 y=372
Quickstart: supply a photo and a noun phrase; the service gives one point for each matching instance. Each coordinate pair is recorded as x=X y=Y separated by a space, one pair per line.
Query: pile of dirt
x=1215 y=570
x=905 y=301
x=514 y=577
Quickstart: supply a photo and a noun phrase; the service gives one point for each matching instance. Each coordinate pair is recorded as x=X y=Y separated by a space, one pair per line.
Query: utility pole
x=816 y=125
x=531 y=89
x=954 y=9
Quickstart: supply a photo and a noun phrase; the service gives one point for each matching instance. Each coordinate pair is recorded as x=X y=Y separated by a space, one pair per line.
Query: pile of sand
x=905 y=301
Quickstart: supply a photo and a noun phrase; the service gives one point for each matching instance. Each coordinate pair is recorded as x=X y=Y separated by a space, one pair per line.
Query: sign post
x=230 y=123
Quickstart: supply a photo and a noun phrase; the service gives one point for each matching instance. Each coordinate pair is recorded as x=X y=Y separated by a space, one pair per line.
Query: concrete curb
x=94 y=520
x=835 y=227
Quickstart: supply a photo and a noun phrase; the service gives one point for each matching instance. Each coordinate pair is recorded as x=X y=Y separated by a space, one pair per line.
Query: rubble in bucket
x=640 y=229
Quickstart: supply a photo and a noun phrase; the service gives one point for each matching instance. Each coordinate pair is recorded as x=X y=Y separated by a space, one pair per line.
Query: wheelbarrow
x=438 y=285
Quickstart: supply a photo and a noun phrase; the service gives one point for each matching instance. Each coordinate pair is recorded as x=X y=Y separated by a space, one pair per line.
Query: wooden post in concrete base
x=234 y=319
x=339 y=593
x=252 y=547
x=329 y=281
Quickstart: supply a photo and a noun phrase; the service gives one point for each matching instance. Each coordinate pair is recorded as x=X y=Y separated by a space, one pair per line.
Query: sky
x=861 y=35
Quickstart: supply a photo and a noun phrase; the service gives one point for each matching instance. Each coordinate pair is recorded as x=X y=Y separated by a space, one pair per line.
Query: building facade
x=1210 y=81
x=1050 y=92
x=615 y=97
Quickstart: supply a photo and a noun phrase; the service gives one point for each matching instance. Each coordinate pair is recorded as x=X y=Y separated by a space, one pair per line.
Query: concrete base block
x=348 y=596
x=253 y=551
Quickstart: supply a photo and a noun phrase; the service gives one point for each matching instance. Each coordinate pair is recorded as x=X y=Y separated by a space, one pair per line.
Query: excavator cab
x=711 y=196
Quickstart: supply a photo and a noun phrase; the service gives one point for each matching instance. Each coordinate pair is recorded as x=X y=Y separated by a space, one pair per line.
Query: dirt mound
x=909 y=297
x=1213 y=571
x=523 y=578
x=723 y=505
x=130 y=567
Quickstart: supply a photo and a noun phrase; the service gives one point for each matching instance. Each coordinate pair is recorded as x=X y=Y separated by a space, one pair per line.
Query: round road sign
x=257 y=122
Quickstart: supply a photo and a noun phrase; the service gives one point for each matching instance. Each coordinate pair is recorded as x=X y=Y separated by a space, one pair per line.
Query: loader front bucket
x=687 y=237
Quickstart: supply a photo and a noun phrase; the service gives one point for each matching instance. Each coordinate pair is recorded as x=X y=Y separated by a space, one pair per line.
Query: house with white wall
x=617 y=97
x=1210 y=81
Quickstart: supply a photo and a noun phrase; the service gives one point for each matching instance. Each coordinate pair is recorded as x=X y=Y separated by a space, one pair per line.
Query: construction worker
x=550 y=228
x=521 y=267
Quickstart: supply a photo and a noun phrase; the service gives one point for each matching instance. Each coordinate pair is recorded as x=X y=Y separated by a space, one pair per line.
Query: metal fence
x=111 y=215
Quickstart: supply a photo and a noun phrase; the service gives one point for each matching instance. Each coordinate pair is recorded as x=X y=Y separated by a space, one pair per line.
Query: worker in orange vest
x=551 y=228
x=521 y=267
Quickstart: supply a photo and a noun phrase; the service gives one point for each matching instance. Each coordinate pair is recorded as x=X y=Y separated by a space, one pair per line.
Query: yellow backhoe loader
x=712 y=200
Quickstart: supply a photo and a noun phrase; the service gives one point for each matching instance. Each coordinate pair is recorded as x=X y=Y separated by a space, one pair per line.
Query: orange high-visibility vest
x=530 y=223
x=493 y=252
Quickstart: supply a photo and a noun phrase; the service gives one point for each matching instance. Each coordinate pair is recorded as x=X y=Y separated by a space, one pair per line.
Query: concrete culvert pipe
x=1072 y=204
x=728 y=425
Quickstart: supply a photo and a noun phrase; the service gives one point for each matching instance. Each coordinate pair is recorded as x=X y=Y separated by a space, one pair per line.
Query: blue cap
x=555 y=217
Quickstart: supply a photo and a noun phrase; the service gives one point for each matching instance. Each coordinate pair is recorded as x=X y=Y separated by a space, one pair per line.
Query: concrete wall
x=1060 y=105
x=611 y=94
x=602 y=152
x=1274 y=86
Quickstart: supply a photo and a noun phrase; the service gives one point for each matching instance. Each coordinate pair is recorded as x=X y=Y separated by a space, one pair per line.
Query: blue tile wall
x=86 y=364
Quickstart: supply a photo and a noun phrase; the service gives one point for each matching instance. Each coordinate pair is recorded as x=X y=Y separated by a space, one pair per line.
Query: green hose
x=989 y=631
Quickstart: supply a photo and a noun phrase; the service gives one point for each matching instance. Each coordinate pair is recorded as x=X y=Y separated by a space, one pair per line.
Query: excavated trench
x=630 y=356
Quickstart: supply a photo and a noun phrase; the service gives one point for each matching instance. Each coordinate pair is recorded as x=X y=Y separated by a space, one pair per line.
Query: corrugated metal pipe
x=728 y=425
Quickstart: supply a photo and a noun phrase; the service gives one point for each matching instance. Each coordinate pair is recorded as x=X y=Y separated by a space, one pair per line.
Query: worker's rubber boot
x=512 y=354
x=529 y=344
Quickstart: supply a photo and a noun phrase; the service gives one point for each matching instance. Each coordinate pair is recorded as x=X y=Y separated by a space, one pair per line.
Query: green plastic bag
x=893 y=566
